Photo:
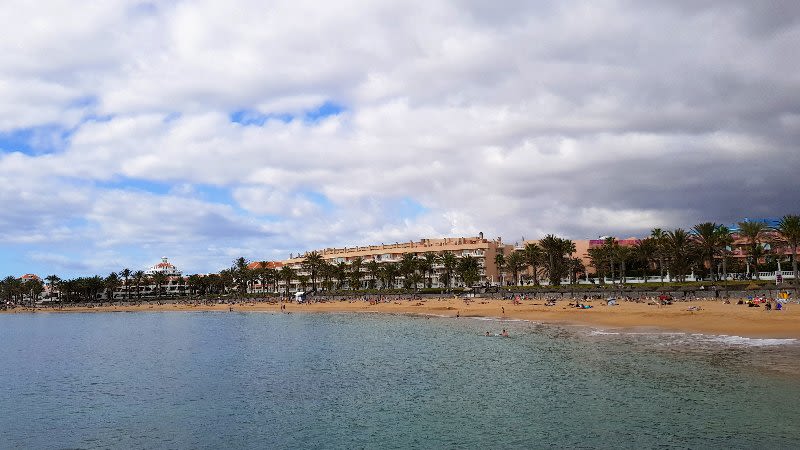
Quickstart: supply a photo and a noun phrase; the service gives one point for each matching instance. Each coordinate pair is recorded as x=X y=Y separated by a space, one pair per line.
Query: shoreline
x=711 y=317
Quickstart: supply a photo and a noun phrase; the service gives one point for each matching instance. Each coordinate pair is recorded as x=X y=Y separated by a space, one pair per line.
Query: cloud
x=207 y=129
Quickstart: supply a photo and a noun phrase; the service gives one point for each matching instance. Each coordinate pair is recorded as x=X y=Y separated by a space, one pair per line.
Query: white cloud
x=525 y=119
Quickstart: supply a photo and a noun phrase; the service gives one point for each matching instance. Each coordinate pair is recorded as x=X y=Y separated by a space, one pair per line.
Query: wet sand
x=713 y=317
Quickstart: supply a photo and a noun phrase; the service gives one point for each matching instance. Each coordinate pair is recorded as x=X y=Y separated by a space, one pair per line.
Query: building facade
x=481 y=249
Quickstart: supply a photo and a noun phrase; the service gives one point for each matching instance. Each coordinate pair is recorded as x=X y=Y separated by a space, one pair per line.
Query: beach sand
x=714 y=317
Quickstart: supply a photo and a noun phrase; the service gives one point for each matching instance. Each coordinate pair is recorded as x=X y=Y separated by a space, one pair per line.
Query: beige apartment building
x=478 y=247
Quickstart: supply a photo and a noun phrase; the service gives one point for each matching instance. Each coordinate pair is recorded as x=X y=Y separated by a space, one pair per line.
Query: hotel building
x=478 y=247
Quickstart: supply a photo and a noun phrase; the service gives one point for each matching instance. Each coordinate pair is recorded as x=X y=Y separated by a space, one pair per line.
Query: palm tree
x=138 y=278
x=408 y=266
x=426 y=266
x=159 y=279
x=681 y=250
x=622 y=254
x=469 y=271
x=645 y=251
x=328 y=272
x=389 y=273
x=341 y=274
x=500 y=263
x=576 y=267
x=516 y=263
x=610 y=251
x=374 y=271
x=708 y=240
x=725 y=239
x=753 y=232
x=33 y=287
x=241 y=274
x=112 y=283
x=355 y=273
x=449 y=261
x=659 y=236
x=125 y=274
x=54 y=281
x=287 y=275
x=598 y=258
x=534 y=257
x=312 y=263
x=195 y=283
x=302 y=280
x=556 y=251
x=789 y=229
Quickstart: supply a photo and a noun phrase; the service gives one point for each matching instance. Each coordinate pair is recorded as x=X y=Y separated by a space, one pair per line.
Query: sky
x=207 y=130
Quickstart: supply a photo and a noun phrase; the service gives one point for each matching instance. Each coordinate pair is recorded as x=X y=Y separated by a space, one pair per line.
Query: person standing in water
x=504 y=333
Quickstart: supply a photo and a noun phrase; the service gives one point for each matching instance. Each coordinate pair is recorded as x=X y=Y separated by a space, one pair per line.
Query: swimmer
x=504 y=333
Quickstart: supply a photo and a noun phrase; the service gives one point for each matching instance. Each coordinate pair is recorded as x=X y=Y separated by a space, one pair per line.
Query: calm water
x=260 y=380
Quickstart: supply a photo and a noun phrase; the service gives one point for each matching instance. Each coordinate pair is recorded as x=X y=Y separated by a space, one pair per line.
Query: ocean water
x=263 y=380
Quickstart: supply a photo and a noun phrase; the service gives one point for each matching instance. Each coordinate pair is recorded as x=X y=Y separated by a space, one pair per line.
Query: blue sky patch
x=34 y=140
x=253 y=117
x=408 y=208
x=327 y=109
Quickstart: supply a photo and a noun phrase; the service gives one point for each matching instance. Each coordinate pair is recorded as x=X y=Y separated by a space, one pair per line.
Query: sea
x=361 y=380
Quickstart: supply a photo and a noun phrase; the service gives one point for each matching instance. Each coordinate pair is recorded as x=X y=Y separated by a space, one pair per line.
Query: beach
x=700 y=316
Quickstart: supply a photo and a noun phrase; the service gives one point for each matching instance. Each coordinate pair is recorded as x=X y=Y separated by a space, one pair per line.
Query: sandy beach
x=710 y=317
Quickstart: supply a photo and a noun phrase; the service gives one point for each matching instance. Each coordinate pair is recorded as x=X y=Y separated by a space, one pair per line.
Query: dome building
x=164 y=267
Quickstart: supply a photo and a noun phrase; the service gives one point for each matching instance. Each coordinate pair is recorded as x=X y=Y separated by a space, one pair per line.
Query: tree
x=35 y=289
x=287 y=275
x=622 y=254
x=753 y=232
x=789 y=229
x=328 y=271
x=599 y=259
x=311 y=264
x=355 y=273
x=341 y=274
x=681 y=250
x=126 y=274
x=302 y=280
x=533 y=257
x=500 y=263
x=195 y=284
x=426 y=264
x=725 y=239
x=708 y=242
x=389 y=272
x=449 y=262
x=241 y=274
x=645 y=251
x=576 y=267
x=556 y=251
x=374 y=270
x=516 y=263
x=659 y=236
x=54 y=281
x=469 y=270
x=112 y=283
x=159 y=279
x=408 y=266
x=138 y=277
